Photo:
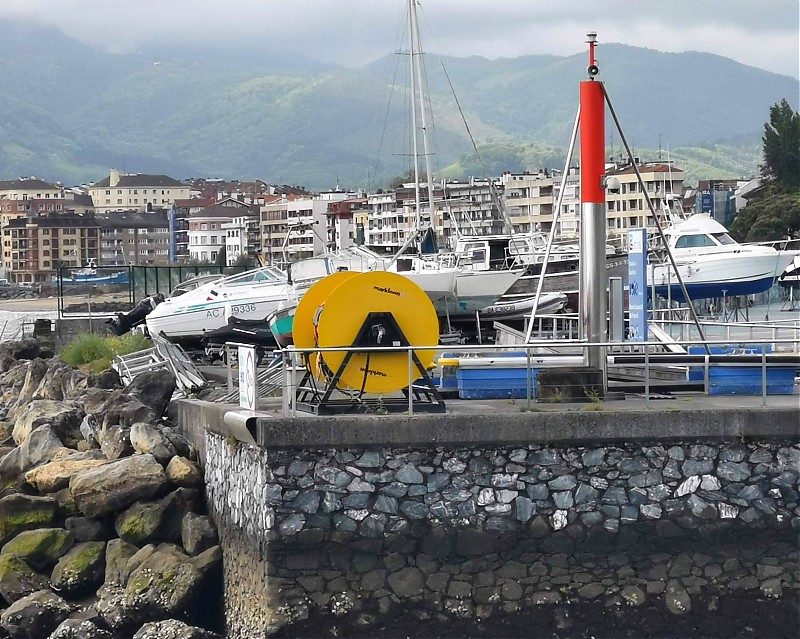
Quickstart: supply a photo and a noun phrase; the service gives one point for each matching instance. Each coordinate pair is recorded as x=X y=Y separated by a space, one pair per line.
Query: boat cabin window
x=724 y=238
x=517 y=247
x=478 y=256
x=254 y=277
x=694 y=241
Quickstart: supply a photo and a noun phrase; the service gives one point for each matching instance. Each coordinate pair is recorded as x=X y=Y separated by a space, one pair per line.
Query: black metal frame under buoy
x=378 y=329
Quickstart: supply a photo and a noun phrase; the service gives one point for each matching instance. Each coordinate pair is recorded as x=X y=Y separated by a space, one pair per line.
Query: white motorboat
x=712 y=264
x=519 y=309
x=250 y=296
x=475 y=290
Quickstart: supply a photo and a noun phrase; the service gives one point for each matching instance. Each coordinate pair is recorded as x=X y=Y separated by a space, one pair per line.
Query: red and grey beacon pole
x=593 y=279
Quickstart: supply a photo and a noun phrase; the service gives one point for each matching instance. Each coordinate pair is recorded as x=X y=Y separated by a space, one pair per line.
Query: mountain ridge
x=71 y=111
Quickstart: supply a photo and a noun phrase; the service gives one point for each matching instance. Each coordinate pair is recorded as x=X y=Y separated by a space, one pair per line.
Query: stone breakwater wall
x=471 y=531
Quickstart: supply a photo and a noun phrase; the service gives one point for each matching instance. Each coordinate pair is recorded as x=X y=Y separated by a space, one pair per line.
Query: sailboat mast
x=412 y=15
x=417 y=65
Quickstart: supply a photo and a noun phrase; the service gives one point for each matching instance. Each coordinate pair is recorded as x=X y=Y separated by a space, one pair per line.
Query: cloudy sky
x=761 y=33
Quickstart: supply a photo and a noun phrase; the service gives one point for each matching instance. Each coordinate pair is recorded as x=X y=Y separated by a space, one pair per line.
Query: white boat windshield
x=261 y=276
x=702 y=239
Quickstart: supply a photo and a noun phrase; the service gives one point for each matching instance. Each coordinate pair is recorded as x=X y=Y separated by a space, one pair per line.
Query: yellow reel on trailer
x=378 y=309
x=303 y=328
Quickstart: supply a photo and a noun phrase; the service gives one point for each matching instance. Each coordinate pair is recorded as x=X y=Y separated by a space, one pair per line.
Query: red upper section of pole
x=593 y=141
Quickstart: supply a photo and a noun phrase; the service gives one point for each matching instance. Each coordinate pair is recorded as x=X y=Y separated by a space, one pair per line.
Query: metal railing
x=571 y=352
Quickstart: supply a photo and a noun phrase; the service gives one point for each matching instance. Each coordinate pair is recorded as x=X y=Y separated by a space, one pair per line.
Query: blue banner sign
x=637 y=285
x=706 y=202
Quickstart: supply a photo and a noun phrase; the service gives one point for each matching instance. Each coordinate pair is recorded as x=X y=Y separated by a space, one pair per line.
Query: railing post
x=528 y=381
x=293 y=388
x=228 y=366
x=763 y=376
x=285 y=387
x=410 y=383
x=646 y=376
x=706 y=375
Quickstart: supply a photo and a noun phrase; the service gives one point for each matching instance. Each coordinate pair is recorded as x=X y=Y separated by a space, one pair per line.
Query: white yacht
x=712 y=264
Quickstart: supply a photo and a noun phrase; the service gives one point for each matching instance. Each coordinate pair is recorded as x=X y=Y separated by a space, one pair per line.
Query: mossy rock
x=81 y=570
x=40 y=548
x=140 y=523
x=164 y=585
x=18 y=579
x=25 y=512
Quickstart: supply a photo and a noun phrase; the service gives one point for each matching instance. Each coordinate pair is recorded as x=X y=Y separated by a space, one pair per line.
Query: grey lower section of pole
x=593 y=281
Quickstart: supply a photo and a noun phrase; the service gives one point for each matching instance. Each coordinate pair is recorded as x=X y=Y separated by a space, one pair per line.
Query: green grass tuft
x=95 y=352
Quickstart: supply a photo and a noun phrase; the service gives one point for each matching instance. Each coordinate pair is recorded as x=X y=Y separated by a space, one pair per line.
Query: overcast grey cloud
x=760 y=33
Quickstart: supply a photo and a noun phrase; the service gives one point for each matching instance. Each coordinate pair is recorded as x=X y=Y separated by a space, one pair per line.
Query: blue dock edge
x=742 y=380
x=497 y=380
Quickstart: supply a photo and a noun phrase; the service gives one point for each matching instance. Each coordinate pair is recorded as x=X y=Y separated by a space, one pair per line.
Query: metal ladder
x=133 y=364
x=164 y=355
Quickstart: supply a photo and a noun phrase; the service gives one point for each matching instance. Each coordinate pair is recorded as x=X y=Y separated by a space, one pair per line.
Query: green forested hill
x=70 y=112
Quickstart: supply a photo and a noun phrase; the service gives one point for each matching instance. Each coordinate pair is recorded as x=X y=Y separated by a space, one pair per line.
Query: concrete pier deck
x=501 y=422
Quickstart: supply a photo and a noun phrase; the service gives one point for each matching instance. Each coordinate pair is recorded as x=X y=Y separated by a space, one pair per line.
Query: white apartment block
x=122 y=191
x=628 y=209
x=30 y=188
x=241 y=237
x=205 y=233
x=531 y=199
x=294 y=228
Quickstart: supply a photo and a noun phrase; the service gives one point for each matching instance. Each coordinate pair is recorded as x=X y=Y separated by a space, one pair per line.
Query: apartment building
x=34 y=247
x=341 y=223
x=205 y=233
x=472 y=207
x=531 y=199
x=628 y=209
x=389 y=220
x=136 y=191
x=134 y=238
x=274 y=227
x=178 y=215
x=293 y=228
x=242 y=237
x=30 y=188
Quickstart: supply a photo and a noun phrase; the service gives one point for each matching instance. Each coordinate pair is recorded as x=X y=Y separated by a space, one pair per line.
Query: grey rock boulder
x=124 y=410
x=27 y=348
x=18 y=579
x=115 y=441
x=197 y=533
x=25 y=512
x=117 y=485
x=173 y=629
x=140 y=523
x=37 y=369
x=41 y=548
x=79 y=629
x=165 y=585
x=147 y=439
x=176 y=504
x=81 y=570
x=35 y=616
x=407 y=582
x=154 y=389
x=88 y=528
x=64 y=418
x=41 y=446
x=118 y=553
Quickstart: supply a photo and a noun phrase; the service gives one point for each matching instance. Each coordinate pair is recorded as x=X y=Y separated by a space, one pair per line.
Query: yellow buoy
x=344 y=312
